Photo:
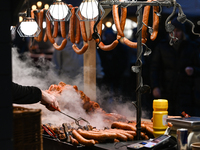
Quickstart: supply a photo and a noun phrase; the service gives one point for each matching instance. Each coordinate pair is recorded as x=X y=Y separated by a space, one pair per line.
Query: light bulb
x=46 y=6
x=58 y=11
x=39 y=4
x=89 y=9
x=34 y=7
x=108 y=24
x=29 y=27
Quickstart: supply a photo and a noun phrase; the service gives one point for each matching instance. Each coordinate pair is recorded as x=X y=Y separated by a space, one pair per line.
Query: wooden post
x=89 y=62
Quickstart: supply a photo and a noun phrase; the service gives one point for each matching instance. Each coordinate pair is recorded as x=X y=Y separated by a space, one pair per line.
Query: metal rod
x=139 y=74
x=108 y=4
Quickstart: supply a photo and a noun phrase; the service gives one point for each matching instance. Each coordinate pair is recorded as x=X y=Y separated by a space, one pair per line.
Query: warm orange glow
x=34 y=7
x=108 y=24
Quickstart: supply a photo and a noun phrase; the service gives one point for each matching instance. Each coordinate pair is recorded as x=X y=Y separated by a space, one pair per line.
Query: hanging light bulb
x=89 y=10
x=58 y=11
x=28 y=27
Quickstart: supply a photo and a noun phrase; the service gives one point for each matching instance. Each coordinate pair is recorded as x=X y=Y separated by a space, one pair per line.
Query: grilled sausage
x=62 y=29
x=155 y=23
x=99 y=27
x=91 y=30
x=145 y=20
x=48 y=31
x=55 y=29
x=82 y=140
x=108 y=47
x=78 y=31
x=122 y=125
x=61 y=46
x=32 y=14
x=116 y=20
x=73 y=141
x=72 y=25
x=40 y=22
x=83 y=30
x=99 y=136
x=82 y=50
x=123 y=17
x=130 y=43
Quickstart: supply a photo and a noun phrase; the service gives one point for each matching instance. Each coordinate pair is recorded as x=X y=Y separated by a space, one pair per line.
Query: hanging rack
x=169 y=28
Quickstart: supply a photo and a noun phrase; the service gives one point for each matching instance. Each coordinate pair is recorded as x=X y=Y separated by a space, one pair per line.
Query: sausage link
x=121 y=137
x=72 y=25
x=108 y=47
x=73 y=141
x=145 y=20
x=32 y=14
x=45 y=37
x=123 y=17
x=99 y=136
x=149 y=130
x=55 y=29
x=62 y=29
x=48 y=31
x=78 y=31
x=155 y=23
x=61 y=46
x=83 y=31
x=91 y=30
x=130 y=43
x=144 y=136
x=82 y=50
x=133 y=133
x=82 y=140
x=99 y=27
x=40 y=22
x=122 y=125
x=116 y=20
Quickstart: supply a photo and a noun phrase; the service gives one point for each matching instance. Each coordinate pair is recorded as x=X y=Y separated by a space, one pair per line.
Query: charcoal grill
x=53 y=144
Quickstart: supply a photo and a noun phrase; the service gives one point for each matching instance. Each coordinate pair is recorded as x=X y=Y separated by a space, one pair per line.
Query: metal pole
x=139 y=74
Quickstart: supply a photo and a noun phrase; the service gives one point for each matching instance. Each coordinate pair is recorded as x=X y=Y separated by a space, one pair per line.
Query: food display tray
x=192 y=123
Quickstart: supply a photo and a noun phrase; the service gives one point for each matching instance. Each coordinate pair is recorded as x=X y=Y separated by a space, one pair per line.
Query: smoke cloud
x=25 y=73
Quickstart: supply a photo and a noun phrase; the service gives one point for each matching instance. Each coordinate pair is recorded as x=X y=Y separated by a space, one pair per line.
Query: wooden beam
x=90 y=67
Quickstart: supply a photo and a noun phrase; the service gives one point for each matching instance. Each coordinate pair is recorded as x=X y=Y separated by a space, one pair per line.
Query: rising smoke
x=25 y=73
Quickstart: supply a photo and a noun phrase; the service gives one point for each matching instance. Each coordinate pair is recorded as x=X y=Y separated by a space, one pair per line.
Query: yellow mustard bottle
x=160 y=114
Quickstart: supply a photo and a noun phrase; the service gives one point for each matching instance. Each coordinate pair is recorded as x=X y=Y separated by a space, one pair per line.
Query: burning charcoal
x=62 y=136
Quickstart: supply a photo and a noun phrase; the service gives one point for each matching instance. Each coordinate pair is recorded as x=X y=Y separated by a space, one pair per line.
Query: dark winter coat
x=168 y=73
x=25 y=94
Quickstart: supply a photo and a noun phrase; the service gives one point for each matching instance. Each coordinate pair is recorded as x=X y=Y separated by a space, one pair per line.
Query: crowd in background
x=165 y=70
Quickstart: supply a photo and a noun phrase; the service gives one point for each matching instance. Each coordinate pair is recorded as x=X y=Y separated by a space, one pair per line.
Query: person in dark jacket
x=172 y=72
x=31 y=94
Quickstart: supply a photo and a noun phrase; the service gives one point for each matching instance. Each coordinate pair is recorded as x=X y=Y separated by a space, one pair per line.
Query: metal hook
x=150 y=28
x=147 y=51
x=173 y=39
x=158 y=13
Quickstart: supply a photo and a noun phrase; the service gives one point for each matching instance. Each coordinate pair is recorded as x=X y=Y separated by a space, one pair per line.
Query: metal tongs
x=50 y=132
x=76 y=120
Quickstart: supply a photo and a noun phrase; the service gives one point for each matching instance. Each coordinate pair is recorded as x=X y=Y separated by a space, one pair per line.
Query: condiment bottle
x=160 y=114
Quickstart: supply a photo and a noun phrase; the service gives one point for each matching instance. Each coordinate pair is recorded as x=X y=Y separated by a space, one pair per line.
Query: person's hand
x=156 y=92
x=49 y=100
x=189 y=71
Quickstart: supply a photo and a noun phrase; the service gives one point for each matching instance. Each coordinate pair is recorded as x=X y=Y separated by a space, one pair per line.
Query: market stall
x=126 y=131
